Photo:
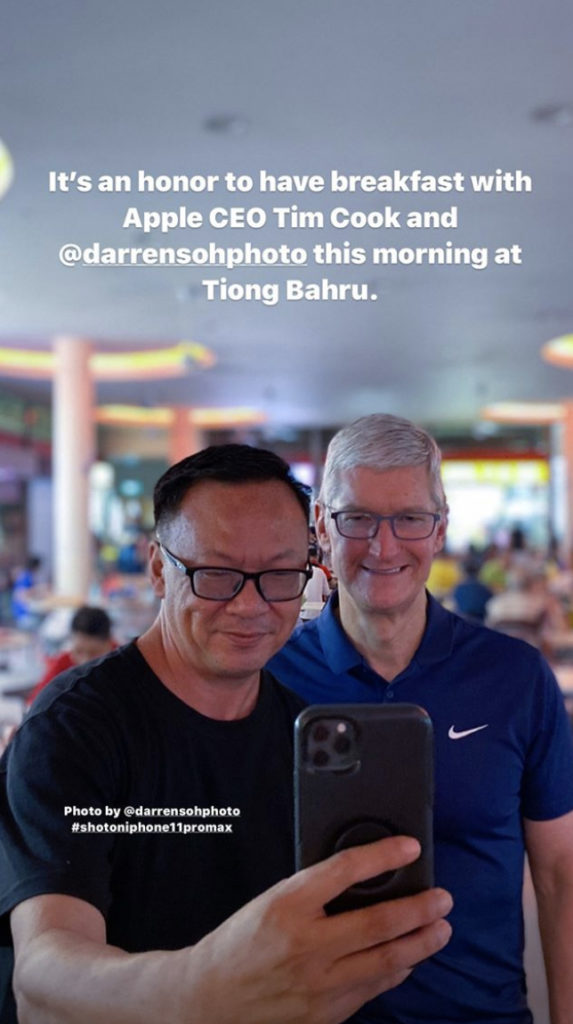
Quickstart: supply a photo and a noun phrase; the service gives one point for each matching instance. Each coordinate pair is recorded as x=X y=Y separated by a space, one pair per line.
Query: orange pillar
x=73 y=455
x=184 y=437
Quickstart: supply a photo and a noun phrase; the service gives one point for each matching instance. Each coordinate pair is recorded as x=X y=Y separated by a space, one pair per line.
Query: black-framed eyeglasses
x=358 y=525
x=216 y=583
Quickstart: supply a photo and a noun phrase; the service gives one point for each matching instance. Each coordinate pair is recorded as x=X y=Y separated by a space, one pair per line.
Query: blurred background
x=205 y=88
x=109 y=373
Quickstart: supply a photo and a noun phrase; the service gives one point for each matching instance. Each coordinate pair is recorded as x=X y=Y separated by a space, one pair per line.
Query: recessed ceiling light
x=188 y=293
x=227 y=124
x=560 y=114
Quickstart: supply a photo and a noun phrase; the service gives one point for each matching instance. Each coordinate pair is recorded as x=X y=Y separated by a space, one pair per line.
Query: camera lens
x=342 y=744
x=320 y=758
x=320 y=733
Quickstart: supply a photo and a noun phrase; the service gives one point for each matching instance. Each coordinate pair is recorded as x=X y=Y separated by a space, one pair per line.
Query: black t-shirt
x=211 y=815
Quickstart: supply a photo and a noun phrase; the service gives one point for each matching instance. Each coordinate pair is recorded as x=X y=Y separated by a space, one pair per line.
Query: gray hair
x=381 y=441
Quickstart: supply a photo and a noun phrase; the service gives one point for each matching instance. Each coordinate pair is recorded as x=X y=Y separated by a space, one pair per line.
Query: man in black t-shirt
x=145 y=804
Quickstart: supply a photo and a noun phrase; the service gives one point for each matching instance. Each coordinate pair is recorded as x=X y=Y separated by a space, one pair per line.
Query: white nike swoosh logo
x=460 y=735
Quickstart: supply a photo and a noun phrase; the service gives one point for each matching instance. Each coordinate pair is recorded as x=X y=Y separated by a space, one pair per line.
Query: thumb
x=332 y=876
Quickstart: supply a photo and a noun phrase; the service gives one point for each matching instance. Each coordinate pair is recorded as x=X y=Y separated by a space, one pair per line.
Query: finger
x=358 y=930
x=372 y=966
x=363 y=976
x=330 y=877
x=348 y=1002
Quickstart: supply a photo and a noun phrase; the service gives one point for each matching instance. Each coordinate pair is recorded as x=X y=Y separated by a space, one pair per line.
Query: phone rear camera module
x=331 y=745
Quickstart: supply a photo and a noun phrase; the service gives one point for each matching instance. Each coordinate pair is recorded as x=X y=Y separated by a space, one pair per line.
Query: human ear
x=441 y=530
x=321 y=528
x=156 y=569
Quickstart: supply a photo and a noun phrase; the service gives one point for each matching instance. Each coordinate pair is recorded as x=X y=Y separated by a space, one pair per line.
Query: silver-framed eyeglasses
x=358 y=525
x=216 y=583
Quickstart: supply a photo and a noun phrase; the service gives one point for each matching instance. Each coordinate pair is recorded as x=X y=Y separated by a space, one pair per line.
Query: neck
x=221 y=699
x=386 y=640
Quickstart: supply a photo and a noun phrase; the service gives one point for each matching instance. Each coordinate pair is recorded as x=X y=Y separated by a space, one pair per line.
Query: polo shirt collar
x=341 y=656
x=339 y=652
x=438 y=639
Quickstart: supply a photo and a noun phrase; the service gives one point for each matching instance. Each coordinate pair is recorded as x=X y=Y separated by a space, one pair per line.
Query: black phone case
x=386 y=788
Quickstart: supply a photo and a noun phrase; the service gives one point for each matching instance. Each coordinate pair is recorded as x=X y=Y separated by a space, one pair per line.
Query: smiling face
x=253 y=527
x=383 y=575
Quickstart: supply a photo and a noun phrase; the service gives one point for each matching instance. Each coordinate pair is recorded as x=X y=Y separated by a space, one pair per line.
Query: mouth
x=393 y=571
x=245 y=639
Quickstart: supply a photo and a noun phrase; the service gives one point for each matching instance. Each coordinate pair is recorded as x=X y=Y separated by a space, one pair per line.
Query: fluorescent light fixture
x=524 y=412
x=209 y=418
x=174 y=361
x=559 y=351
x=134 y=416
x=234 y=416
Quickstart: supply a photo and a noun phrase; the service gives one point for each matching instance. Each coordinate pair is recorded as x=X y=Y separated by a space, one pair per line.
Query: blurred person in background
x=494 y=567
x=90 y=638
x=470 y=597
x=316 y=555
x=528 y=609
x=445 y=574
x=317 y=590
x=522 y=559
x=27 y=587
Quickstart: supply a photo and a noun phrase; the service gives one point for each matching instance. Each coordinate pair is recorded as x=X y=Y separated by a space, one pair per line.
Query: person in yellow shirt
x=445 y=574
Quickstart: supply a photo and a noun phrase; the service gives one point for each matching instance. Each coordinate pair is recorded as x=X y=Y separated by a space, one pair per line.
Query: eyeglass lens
x=365 y=525
x=224 y=584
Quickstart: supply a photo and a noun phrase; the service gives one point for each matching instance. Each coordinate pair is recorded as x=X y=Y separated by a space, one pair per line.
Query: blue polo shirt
x=504 y=751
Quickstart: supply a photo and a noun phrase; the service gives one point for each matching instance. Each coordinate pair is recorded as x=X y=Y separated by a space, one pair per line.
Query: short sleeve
x=57 y=771
x=548 y=778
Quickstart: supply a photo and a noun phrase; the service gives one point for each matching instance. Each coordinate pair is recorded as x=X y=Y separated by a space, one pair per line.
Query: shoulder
x=75 y=682
x=471 y=651
x=490 y=644
x=477 y=637
x=86 y=703
x=85 y=723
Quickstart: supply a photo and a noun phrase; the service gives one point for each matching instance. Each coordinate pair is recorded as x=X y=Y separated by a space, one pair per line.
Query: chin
x=376 y=598
x=238 y=662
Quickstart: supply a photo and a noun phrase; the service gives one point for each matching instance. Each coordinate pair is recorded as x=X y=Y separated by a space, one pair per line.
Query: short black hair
x=92 y=622
x=223 y=463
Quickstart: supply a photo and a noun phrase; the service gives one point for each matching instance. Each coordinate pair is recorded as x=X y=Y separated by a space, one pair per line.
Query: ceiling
x=198 y=87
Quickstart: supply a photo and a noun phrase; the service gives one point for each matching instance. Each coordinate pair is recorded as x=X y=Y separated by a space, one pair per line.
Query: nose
x=248 y=601
x=384 y=541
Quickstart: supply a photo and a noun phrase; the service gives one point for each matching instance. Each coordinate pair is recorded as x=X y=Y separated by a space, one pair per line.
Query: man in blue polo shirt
x=504 y=751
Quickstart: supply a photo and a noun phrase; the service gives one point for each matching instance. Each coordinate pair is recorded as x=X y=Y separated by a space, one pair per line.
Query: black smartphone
x=362 y=772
